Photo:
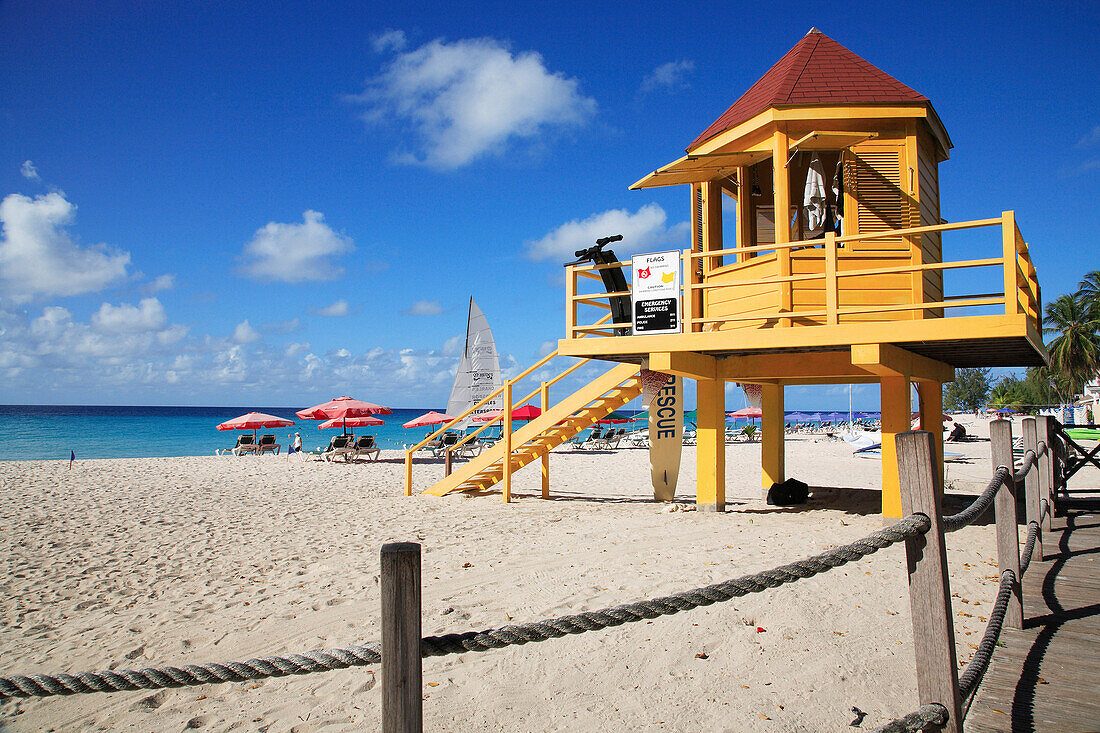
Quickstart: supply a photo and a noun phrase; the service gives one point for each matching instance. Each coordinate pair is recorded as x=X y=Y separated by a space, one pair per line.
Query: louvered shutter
x=873 y=176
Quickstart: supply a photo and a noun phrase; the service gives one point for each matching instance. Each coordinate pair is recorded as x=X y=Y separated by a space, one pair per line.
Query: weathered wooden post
x=402 y=704
x=1045 y=429
x=1004 y=504
x=447 y=461
x=1033 y=512
x=929 y=588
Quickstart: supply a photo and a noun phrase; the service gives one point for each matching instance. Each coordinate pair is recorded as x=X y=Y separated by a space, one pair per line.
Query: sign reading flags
x=656 y=292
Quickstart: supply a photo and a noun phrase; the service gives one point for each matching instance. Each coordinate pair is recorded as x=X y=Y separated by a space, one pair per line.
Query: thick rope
x=1029 y=546
x=917 y=721
x=972 y=675
x=434 y=646
x=40 y=685
x=980 y=505
x=1026 y=465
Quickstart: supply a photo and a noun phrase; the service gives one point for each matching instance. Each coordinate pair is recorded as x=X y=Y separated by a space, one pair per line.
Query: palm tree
x=1089 y=290
x=1075 y=351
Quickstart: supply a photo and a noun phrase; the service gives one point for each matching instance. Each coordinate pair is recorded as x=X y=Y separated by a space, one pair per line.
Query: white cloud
x=148 y=315
x=1091 y=139
x=29 y=171
x=245 y=334
x=296 y=252
x=645 y=230
x=668 y=76
x=288 y=326
x=336 y=310
x=294 y=349
x=390 y=40
x=424 y=308
x=38 y=257
x=472 y=97
x=163 y=282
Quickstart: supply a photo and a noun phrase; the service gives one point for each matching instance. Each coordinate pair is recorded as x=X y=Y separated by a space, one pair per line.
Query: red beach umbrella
x=351 y=422
x=255 y=421
x=527 y=412
x=342 y=408
x=747 y=412
x=428 y=418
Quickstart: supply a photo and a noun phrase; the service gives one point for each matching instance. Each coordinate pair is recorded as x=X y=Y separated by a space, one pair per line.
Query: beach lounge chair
x=449 y=439
x=365 y=447
x=267 y=444
x=587 y=442
x=338 y=446
x=471 y=449
x=245 y=444
x=610 y=440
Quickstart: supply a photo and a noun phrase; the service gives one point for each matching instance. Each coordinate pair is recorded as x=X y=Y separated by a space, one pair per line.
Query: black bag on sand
x=789 y=493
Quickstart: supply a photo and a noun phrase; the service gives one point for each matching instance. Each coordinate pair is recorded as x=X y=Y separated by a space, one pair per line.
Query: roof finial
x=813 y=30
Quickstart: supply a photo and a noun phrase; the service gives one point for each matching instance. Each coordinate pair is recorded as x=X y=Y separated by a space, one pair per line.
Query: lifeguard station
x=817 y=257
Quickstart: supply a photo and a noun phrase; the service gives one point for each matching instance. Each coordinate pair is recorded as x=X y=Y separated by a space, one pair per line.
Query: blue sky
x=271 y=204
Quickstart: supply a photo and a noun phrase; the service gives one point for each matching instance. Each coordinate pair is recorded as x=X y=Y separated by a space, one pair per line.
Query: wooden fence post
x=929 y=588
x=402 y=679
x=1004 y=504
x=1045 y=429
x=1032 y=493
x=447 y=461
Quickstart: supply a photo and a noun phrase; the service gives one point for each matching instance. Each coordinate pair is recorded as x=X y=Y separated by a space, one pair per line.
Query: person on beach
x=295 y=446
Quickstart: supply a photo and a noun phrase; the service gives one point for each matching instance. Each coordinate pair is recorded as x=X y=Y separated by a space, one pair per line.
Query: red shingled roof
x=818 y=70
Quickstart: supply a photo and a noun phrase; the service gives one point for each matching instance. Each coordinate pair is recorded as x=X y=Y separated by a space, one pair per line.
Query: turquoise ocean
x=31 y=432
x=52 y=432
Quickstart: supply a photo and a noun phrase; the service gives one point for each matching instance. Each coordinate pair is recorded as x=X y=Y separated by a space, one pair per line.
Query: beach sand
x=150 y=562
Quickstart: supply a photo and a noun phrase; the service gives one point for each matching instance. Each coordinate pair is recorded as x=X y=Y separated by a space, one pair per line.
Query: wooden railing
x=1020 y=293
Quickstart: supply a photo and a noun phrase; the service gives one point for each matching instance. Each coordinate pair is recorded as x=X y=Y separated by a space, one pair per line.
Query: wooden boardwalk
x=1046 y=677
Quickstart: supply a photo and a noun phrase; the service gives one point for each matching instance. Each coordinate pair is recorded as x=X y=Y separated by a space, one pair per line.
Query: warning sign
x=656 y=293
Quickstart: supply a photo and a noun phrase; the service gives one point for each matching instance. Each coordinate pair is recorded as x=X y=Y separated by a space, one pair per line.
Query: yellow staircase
x=554 y=426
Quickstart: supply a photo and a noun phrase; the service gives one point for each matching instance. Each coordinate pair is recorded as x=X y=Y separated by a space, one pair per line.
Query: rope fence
x=923 y=548
x=934 y=714
x=40 y=685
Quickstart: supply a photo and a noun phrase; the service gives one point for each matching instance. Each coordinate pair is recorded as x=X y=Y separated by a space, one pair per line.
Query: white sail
x=478 y=373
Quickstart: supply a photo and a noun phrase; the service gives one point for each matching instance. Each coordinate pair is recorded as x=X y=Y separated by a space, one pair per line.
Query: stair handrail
x=513 y=381
x=431 y=436
x=469 y=436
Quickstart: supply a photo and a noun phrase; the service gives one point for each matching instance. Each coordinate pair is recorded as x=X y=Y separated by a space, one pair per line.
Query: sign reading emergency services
x=656 y=292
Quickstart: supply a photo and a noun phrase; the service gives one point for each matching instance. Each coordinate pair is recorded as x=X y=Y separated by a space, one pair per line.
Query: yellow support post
x=781 y=199
x=710 y=450
x=930 y=397
x=546 y=453
x=506 y=461
x=1008 y=239
x=772 y=451
x=895 y=406
x=408 y=473
x=832 y=295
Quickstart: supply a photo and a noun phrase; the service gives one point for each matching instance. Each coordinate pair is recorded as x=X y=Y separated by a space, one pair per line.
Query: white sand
x=133 y=563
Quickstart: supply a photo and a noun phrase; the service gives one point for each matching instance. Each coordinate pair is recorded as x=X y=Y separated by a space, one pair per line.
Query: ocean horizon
x=54 y=432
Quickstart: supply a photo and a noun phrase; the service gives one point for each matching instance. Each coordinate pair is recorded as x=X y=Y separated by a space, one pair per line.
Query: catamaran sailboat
x=478 y=373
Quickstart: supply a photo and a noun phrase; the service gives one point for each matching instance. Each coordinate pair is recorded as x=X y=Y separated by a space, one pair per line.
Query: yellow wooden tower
x=818 y=258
